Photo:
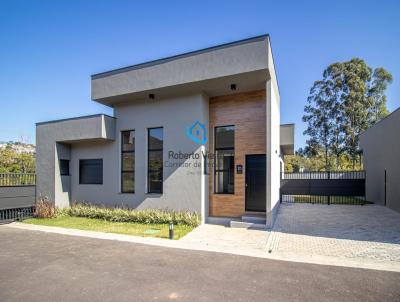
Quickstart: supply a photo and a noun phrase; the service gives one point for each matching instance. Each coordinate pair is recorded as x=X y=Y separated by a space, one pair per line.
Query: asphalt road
x=36 y=266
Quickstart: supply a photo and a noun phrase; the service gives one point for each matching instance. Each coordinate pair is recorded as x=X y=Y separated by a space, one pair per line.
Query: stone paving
x=229 y=240
x=361 y=233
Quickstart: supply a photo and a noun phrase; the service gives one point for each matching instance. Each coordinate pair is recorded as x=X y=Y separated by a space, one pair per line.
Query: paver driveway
x=362 y=233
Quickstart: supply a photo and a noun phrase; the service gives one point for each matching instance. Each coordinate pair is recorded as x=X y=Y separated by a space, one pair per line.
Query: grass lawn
x=127 y=228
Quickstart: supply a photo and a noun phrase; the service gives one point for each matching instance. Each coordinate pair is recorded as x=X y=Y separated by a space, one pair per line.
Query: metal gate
x=330 y=187
x=17 y=196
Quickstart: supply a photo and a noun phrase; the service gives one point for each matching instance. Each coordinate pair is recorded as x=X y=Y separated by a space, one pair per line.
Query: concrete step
x=254 y=219
x=247 y=225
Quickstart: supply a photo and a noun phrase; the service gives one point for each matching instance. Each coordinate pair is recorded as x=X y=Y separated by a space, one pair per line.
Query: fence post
x=329 y=196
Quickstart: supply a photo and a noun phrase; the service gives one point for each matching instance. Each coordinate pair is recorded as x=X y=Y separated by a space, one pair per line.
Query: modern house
x=381 y=149
x=198 y=131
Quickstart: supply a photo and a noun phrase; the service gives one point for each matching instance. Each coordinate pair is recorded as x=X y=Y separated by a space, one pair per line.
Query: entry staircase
x=251 y=221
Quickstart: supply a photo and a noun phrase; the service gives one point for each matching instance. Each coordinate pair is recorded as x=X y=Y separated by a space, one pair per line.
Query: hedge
x=131 y=215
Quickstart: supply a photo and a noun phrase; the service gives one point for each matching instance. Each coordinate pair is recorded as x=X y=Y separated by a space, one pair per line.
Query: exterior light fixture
x=171 y=230
x=233 y=87
x=151 y=96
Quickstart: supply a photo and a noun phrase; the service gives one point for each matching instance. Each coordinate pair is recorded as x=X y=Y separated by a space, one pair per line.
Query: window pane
x=155 y=160
x=128 y=182
x=224 y=137
x=128 y=161
x=155 y=138
x=155 y=181
x=128 y=141
x=91 y=171
x=224 y=182
x=224 y=172
x=224 y=159
x=64 y=167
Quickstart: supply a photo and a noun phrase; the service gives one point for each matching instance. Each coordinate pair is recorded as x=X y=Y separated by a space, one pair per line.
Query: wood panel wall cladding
x=247 y=112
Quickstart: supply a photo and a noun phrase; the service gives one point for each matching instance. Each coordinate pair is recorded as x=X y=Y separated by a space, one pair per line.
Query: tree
x=303 y=160
x=376 y=92
x=317 y=119
x=14 y=162
x=348 y=100
x=320 y=117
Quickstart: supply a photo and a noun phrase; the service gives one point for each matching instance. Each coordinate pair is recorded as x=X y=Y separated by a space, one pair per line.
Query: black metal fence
x=17 y=179
x=10 y=215
x=17 y=196
x=330 y=187
x=324 y=175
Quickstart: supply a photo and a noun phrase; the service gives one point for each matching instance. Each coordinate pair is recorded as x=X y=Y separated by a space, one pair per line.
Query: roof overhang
x=211 y=70
x=98 y=127
x=287 y=139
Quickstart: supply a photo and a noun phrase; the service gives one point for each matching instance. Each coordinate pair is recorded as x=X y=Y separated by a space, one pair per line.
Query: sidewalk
x=213 y=238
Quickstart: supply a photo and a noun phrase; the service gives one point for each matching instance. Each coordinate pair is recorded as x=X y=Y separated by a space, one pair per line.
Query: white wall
x=273 y=142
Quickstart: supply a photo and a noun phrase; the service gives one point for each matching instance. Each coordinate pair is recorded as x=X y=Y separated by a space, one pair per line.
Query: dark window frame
x=65 y=161
x=122 y=163
x=161 y=170
x=80 y=171
x=215 y=160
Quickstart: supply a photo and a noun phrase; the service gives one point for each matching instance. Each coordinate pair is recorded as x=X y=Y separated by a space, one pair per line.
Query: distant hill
x=18 y=147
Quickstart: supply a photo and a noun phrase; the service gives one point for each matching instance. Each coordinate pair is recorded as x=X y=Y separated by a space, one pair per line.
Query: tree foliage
x=348 y=100
x=304 y=161
x=14 y=162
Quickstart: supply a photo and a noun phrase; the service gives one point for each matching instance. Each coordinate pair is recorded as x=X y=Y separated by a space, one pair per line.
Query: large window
x=155 y=160
x=224 y=176
x=128 y=161
x=91 y=171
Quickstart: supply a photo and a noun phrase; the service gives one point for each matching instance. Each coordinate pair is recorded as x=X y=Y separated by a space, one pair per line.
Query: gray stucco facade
x=381 y=148
x=172 y=93
x=181 y=185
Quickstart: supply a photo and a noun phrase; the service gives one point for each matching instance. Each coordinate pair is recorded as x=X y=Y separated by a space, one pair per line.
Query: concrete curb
x=178 y=244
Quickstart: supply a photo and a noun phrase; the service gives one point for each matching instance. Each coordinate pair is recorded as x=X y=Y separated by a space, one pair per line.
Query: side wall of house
x=182 y=186
x=247 y=112
x=273 y=141
x=53 y=143
x=381 y=148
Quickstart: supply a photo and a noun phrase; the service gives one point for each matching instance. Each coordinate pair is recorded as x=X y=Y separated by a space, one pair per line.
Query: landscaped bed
x=147 y=223
x=99 y=225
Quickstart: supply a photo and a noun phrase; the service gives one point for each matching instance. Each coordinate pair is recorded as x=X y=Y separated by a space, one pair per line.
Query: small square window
x=91 y=171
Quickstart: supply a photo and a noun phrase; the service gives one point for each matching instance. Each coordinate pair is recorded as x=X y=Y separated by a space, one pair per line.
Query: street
x=38 y=266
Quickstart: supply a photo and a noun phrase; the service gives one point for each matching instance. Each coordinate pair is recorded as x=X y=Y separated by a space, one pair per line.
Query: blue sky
x=49 y=49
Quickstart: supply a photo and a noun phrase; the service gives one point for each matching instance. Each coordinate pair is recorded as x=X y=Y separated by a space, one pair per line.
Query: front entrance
x=256 y=183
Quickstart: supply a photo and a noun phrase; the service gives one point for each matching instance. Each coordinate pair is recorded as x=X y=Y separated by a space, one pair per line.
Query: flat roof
x=176 y=57
x=73 y=118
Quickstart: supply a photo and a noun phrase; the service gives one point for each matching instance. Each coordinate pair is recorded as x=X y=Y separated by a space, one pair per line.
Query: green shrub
x=130 y=215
